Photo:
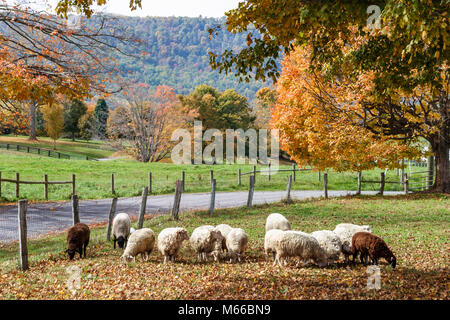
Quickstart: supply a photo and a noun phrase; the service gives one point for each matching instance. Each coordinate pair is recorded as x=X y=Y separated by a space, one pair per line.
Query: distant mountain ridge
x=177 y=54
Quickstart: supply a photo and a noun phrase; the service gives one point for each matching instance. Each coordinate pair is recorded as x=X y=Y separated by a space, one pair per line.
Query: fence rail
x=44 y=152
x=46 y=183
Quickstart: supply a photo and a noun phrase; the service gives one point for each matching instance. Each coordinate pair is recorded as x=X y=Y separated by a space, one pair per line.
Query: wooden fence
x=46 y=183
x=43 y=152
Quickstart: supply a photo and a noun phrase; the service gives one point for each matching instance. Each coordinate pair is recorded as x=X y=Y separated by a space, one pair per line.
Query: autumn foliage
x=318 y=121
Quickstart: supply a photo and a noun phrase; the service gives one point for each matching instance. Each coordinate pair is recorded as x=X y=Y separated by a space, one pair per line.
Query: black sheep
x=78 y=240
x=368 y=244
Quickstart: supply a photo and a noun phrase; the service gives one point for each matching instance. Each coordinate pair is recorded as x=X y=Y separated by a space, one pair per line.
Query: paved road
x=44 y=218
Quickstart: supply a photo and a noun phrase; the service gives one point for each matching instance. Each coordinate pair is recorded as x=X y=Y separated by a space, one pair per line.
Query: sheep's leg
x=165 y=259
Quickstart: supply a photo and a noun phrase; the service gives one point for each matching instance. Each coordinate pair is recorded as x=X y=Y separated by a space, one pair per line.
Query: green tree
x=87 y=125
x=101 y=114
x=73 y=111
x=54 y=121
x=220 y=110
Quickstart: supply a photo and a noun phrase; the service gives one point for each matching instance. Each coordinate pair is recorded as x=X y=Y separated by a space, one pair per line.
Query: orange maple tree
x=319 y=120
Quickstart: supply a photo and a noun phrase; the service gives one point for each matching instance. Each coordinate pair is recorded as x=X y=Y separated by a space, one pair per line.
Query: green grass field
x=92 y=149
x=416 y=227
x=94 y=177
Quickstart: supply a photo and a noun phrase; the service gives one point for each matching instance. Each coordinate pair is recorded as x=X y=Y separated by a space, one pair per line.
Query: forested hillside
x=177 y=53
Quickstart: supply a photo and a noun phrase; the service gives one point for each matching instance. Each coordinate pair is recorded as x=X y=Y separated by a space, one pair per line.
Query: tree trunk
x=32 y=135
x=54 y=144
x=440 y=148
x=73 y=136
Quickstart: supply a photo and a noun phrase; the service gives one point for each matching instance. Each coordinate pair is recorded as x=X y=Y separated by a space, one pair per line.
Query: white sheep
x=169 y=242
x=330 y=242
x=299 y=244
x=277 y=221
x=224 y=230
x=140 y=242
x=237 y=241
x=121 y=229
x=205 y=240
x=270 y=240
x=345 y=232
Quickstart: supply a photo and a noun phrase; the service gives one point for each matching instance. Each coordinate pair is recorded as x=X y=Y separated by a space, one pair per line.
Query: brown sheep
x=78 y=240
x=368 y=244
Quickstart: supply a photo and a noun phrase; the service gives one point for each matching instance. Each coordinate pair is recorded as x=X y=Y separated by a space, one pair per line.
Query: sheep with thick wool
x=270 y=239
x=121 y=229
x=206 y=240
x=298 y=244
x=277 y=221
x=368 y=244
x=330 y=242
x=345 y=232
x=169 y=242
x=236 y=241
x=141 y=242
x=78 y=240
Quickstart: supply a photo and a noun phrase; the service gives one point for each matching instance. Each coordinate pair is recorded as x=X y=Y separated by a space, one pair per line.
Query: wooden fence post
x=254 y=174
x=239 y=177
x=183 y=176
x=320 y=176
x=288 y=191
x=382 y=183
x=0 y=183
x=325 y=185
x=251 y=190
x=213 y=196
x=430 y=178
x=406 y=183
x=150 y=182
x=143 y=207
x=73 y=184
x=177 y=199
x=112 y=212
x=211 y=175
x=22 y=219
x=359 y=182
x=75 y=209
x=113 y=189
x=293 y=170
x=269 y=170
x=46 y=186
x=17 y=185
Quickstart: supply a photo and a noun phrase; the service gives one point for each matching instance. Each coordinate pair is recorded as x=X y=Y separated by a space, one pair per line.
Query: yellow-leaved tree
x=54 y=121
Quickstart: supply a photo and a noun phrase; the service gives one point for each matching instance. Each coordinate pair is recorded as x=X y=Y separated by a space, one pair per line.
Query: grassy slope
x=416 y=228
x=94 y=178
x=93 y=149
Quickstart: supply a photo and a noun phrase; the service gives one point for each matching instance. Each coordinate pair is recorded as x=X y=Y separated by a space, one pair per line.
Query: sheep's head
x=126 y=257
x=182 y=235
x=121 y=241
x=367 y=228
x=392 y=260
x=72 y=248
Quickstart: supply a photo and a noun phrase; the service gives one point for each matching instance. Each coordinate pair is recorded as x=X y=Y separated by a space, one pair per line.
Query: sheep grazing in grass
x=78 y=240
x=277 y=221
x=298 y=244
x=205 y=240
x=330 y=242
x=224 y=230
x=368 y=244
x=345 y=232
x=121 y=229
x=169 y=242
x=237 y=241
x=140 y=242
x=270 y=239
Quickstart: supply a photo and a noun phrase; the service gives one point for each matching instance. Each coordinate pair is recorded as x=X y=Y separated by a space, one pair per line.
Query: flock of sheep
x=225 y=242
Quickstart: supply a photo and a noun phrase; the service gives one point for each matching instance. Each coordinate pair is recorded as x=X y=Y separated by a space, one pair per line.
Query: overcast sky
x=185 y=8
